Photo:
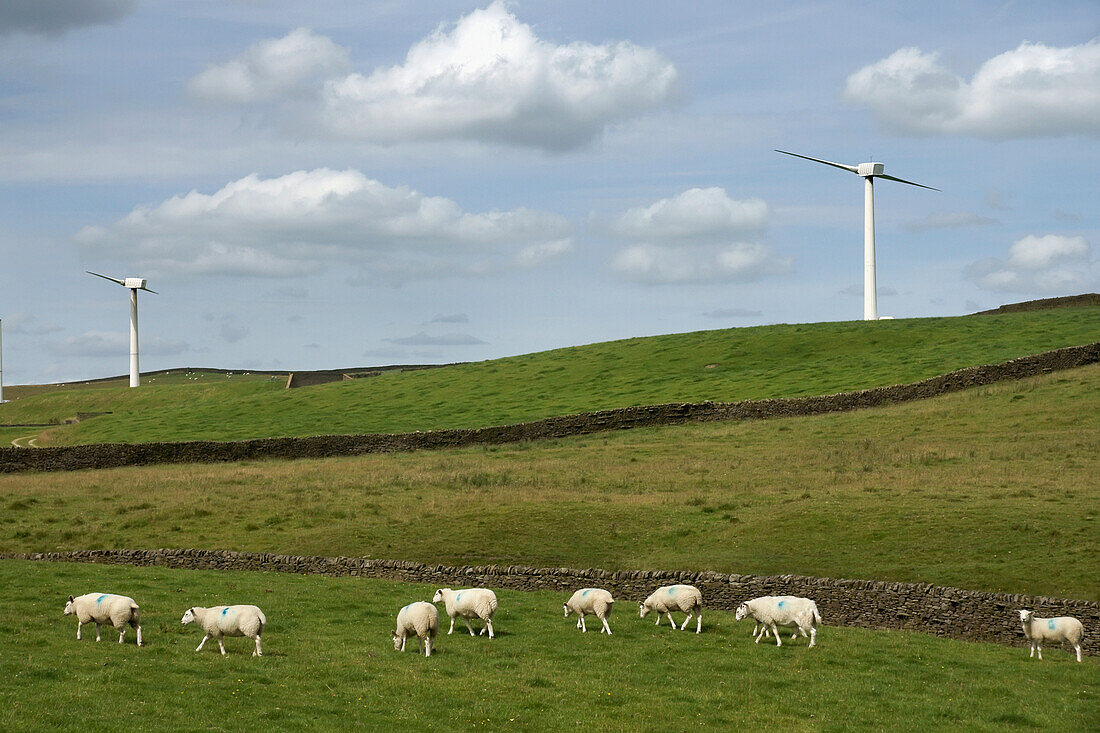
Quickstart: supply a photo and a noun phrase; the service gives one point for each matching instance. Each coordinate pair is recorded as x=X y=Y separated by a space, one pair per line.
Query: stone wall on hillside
x=930 y=609
x=1065 y=301
x=112 y=455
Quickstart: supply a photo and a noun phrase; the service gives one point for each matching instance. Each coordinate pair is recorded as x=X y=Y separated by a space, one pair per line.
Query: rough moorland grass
x=329 y=664
x=989 y=489
x=733 y=364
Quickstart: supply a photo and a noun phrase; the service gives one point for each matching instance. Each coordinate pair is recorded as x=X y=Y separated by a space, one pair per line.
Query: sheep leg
x=489 y=625
x=686 y=619
x=452 y=625
x=402 y=643
x=259 y=650
x=813 y=637
x=221 y=646
x=97 y=633
x=670 y=619
x=121 y=634
x=605 y=626
x=699 y=622
x=1077 y=648
x=1038 y=648
x=471 y=628
x=78 y=625
x=583 y=626
x=199 y=647
x=138 y=628
x=428 y=647
x=579 y=624
x=1032 y=655
x=775 y=631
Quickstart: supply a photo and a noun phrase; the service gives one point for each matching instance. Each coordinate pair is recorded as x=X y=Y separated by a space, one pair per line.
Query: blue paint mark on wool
x=458 y=598
x=781 y=604
x=225 y=611
x=1050 y=624
x=584 y=594
x=97 y=600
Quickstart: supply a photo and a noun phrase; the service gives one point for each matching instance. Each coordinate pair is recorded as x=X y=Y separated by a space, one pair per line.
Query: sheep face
x=188 y=616
x=566 y=607
x=439 y=595
x=742 y=611
x=396 y=641
x=1025 y=616
x=69 y=607
x=643 y=609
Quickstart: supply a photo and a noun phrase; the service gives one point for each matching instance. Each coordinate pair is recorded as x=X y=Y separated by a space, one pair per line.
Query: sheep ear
x=70 y=599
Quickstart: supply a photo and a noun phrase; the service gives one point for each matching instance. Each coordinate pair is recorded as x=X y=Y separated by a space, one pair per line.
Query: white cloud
x=1050 y=264
x=695 y=214
x=488 y=78
x=1034 y=90
x=695 y=236
x=293 y=65
x=304 y=221
x=55 y=17
x=27 y=324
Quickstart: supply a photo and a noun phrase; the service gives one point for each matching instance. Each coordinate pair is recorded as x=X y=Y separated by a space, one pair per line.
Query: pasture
x=329 y=663
x=726 y=365
x=988 y=489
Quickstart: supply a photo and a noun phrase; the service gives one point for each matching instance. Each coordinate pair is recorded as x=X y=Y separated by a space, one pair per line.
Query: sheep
x=469 y=603
x=103 y=608
x=775 y=611
x=420 y=619
x=590 y=600
x=1060 y=629
x=220 y=621
x=669 y=598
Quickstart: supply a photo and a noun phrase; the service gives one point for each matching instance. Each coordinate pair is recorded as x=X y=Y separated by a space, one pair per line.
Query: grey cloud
x=112 y=344
x=55 y=17
x=454 y=318
x=449 y=339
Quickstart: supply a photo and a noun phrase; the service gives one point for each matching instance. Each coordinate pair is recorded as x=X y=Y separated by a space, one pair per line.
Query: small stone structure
x=936 y=610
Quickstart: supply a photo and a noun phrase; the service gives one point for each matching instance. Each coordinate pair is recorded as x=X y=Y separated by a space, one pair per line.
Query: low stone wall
x=930 y=609
x=111 y=455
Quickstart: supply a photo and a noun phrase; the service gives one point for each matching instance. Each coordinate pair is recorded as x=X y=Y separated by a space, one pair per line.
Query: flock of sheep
x=421 y=619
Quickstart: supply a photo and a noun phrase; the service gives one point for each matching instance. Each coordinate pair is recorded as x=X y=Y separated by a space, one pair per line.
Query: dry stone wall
x=112 y=455
x=936 y=610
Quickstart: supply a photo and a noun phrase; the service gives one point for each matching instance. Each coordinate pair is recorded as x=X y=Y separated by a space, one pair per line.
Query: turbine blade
x=902 y=180
x=850 y=168
x=112 y=279
x=154 y=292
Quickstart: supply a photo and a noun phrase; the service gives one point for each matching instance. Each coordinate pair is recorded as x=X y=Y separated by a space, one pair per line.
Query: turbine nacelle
x=135 y=282
x=870 y=169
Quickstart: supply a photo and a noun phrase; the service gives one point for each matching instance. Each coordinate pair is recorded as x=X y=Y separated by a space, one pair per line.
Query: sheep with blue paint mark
x=419 y=619
x=595 y=601
x=219 y=621
x=789 y=611
x=669 y=598
x=1056 y=630
x=469 y=603
x=105 y=608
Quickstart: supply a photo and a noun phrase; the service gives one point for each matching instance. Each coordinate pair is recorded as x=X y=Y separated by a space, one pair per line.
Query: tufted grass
x=784 y=360
x=329 y=664
x=989 y=489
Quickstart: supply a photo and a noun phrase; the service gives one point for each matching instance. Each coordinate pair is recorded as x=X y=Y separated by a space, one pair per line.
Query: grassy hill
x=990 y=489
x=725 y=365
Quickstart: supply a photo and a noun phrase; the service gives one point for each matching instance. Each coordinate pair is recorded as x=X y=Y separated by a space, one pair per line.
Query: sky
x=340 y=183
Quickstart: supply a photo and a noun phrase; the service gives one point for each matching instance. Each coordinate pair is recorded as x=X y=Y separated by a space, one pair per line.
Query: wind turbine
x=869 y=172
x=135 y=284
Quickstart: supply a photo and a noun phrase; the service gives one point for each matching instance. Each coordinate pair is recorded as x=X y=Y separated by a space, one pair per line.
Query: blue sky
x=335 y=184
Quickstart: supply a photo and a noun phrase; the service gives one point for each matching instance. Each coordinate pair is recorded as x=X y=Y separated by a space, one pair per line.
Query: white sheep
x=105 y=608
x=775 y=611
x=1057 y=630
x=669 y=598
x=469 y=603
x=596 y=601
x=220 y=621
x=419 y=619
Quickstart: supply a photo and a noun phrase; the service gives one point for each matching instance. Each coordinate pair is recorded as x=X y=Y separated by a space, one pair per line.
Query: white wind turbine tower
x=134 y=284
x=869 y=172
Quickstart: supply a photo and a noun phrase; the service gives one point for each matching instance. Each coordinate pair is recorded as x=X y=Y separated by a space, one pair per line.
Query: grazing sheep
x=590 y=600
x=469 y=603
x=222 y=621
x=105 y=608
x=419 y=619
x=775 y=611
x=1060 y=629
x=669 y=598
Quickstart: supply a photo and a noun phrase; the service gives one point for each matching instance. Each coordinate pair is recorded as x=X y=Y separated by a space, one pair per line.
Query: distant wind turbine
x=134 y=284
x=869 y=171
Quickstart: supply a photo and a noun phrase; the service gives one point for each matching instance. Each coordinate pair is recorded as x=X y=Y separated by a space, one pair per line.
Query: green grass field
x=727 y=365
x=329 y=664
x=989 y=489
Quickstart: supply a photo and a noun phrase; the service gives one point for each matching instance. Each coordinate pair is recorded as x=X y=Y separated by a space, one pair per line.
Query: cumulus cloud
x=1050 y=264
x=55 y=17
x=28 y=324
x=115 y=344
x=700 y=235
x=487 y=78
x=1032 y=91
x=305 y=221
x=447 y=339
x=951 y=220
x=289 y=66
